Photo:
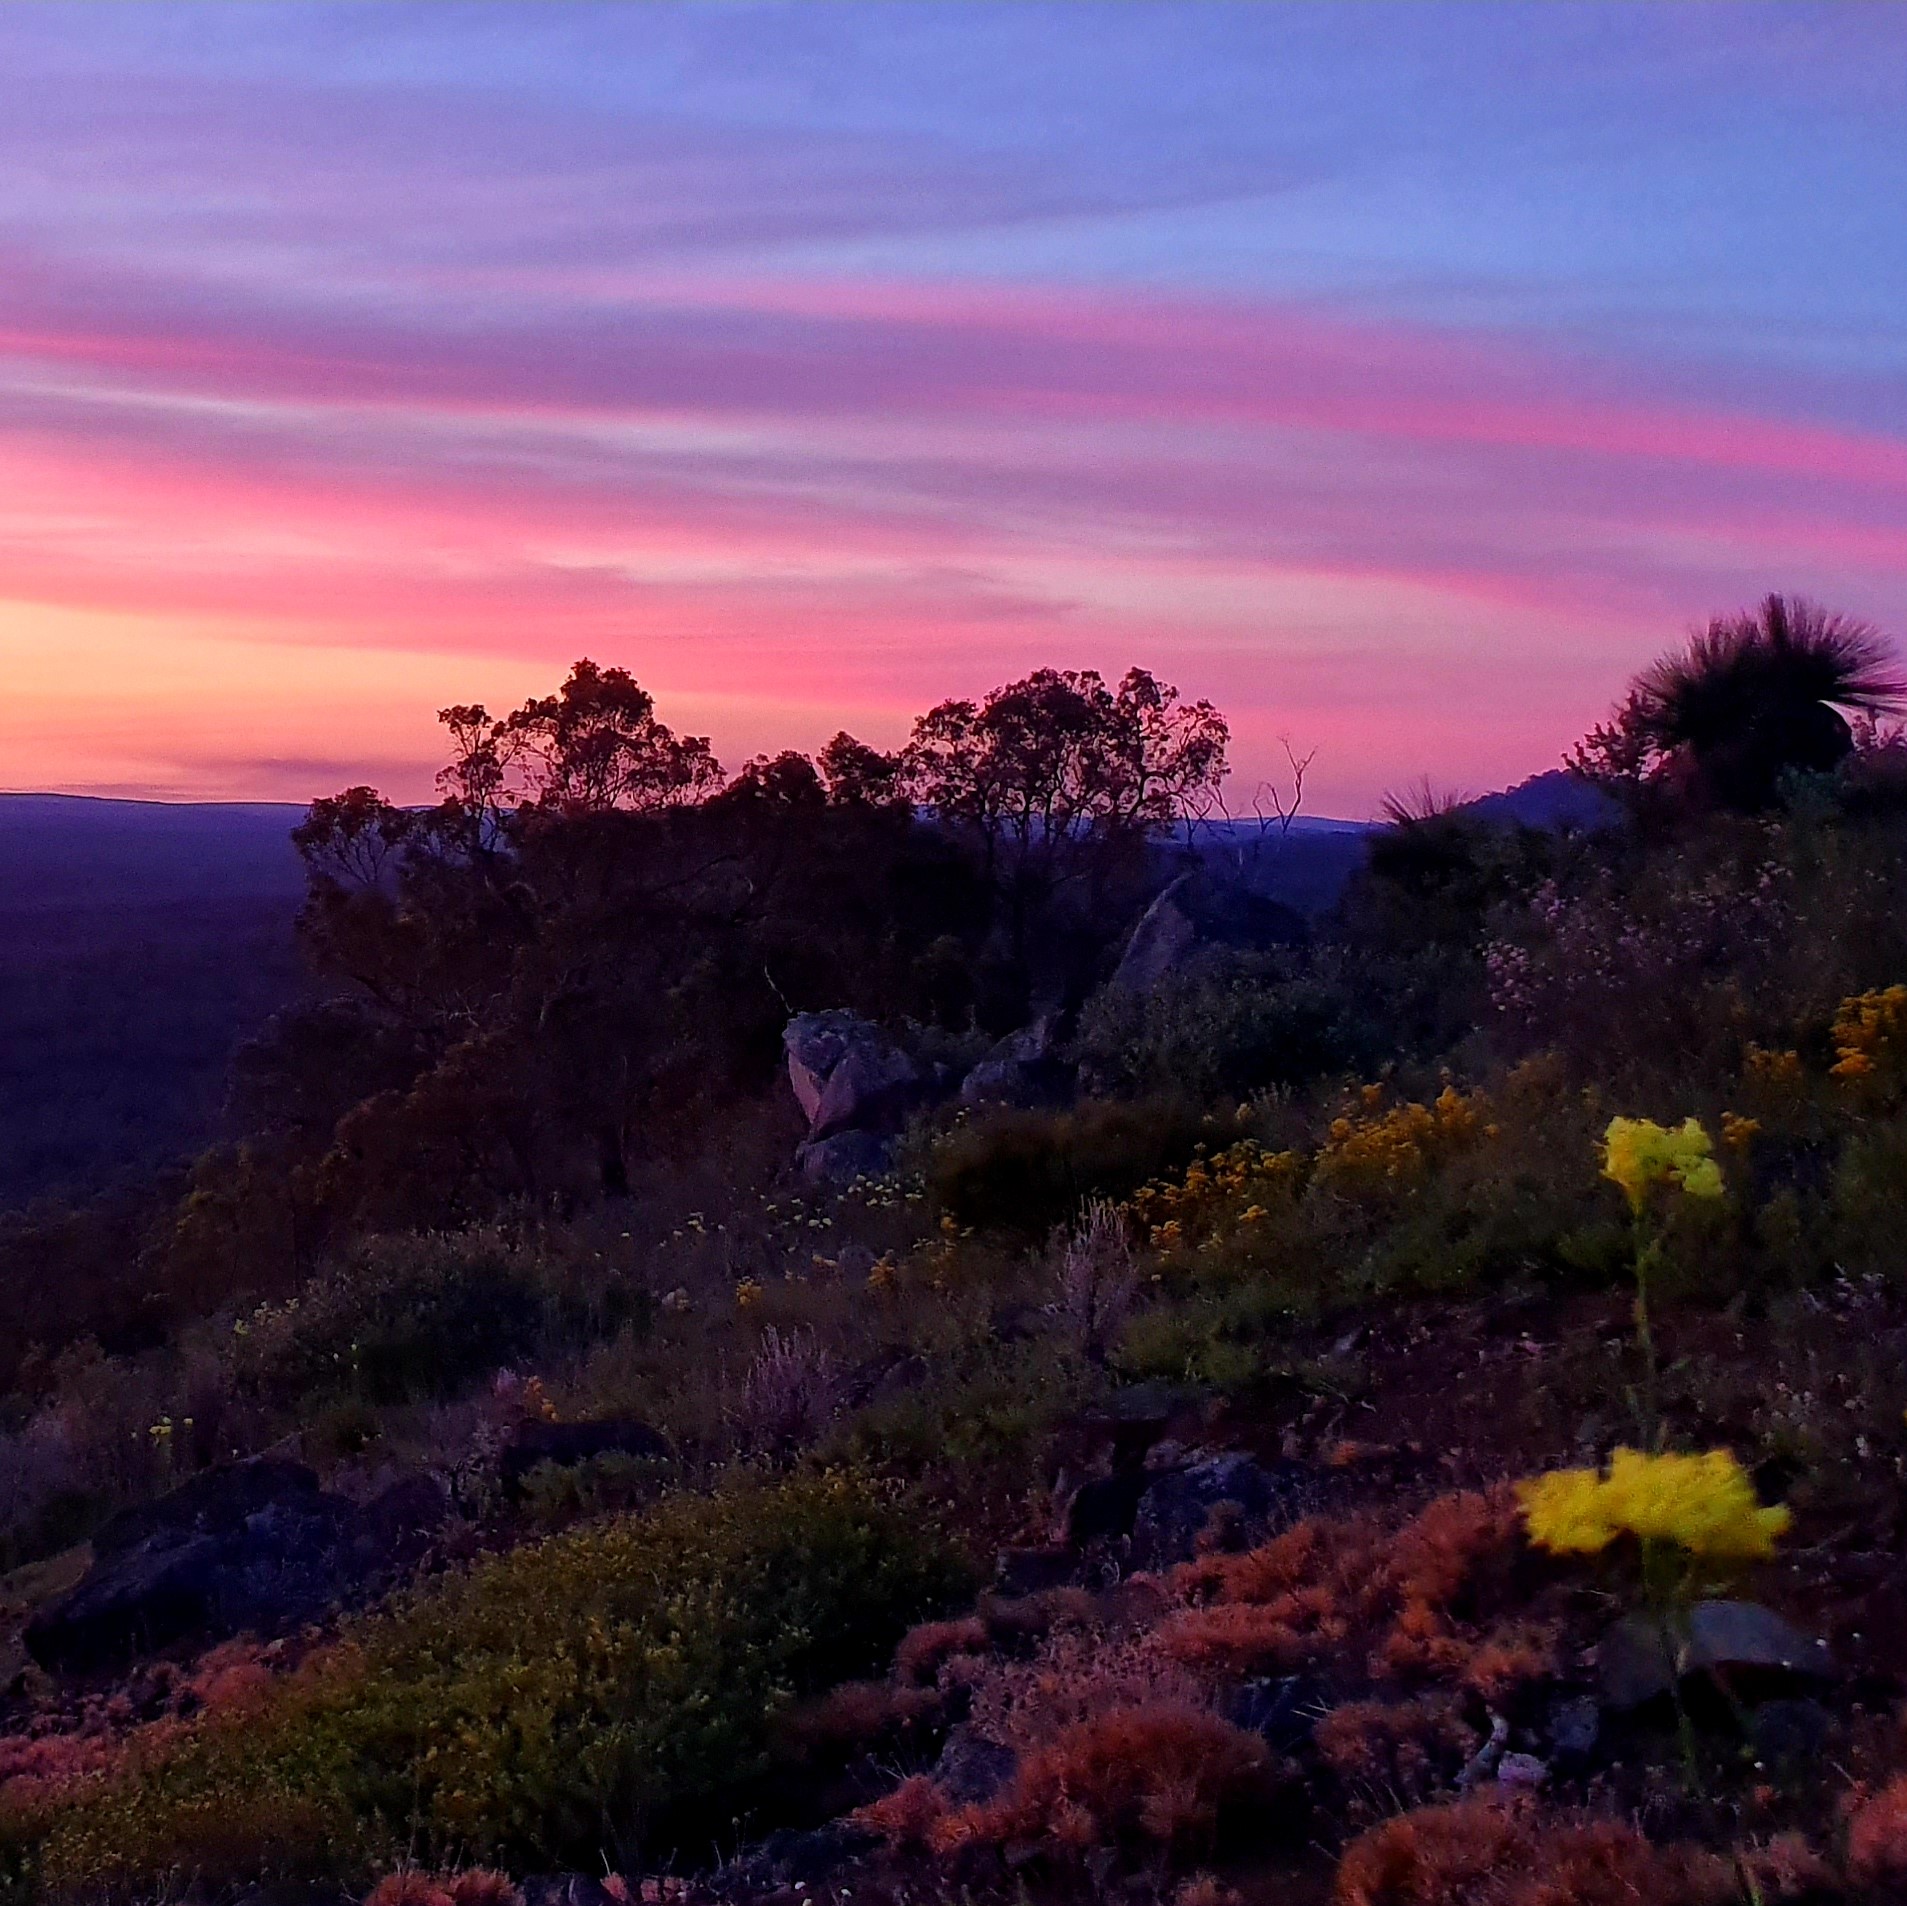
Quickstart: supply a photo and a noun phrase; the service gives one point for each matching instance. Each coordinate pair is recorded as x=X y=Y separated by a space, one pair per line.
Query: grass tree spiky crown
x=1759 y=693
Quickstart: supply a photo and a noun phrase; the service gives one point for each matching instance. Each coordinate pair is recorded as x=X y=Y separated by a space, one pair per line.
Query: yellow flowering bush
x=1384 y=1150
x=1703 y=1505
x=1870 y=1037
x=1639 y=1155
x=1235 y=1185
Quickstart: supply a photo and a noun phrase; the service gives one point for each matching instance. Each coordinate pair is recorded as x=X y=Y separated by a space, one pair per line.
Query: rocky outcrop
x=872 y=1089
x=1022 y=1070
x=857 y=1088
x=815 y=1044
x=1198 y=913
x=255 y=1546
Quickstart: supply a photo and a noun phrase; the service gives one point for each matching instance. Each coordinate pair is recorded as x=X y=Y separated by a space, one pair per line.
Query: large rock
x=972 y=1769
x=216 y=1501
x=247 y=1546
x=815 y=1043
x=871 y=1089
x=1200 y=912
x=845 y=1158
x=1022 y=1070
x=1178 y=1505
x=1161 y=941
x=1749 y=1647
x=857 y=1088
x=533 y=1444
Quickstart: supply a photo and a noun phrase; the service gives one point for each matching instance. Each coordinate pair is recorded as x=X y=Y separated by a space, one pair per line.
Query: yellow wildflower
x=1739 y=1133
x=1705 y=1505
x=1566 y=1512
x=748 y=1293
x=1767 y=1066
x=1638 y=1154
x=1870 y=1030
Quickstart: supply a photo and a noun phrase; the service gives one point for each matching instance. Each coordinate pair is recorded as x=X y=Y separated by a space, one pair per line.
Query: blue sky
x=1401 y=376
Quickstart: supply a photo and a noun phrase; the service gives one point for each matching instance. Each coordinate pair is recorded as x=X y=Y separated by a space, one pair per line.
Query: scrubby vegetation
x=1345 y=1350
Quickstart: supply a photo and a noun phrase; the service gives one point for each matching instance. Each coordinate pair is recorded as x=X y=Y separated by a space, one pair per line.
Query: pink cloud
x=1414 y=547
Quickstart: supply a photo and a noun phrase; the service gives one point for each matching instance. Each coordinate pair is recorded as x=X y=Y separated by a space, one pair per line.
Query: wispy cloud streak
x=810 y=411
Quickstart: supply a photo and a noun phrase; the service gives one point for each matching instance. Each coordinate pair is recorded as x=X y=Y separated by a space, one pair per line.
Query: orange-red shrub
x=1487 y=1853
x=408 y=1887
x=909 y=1817
x=924 y=1650
x=483 y=1886
x=1157 y=1778
x=473 y=1886
x=1877 y=1836
x=1414 y=1592
x=1404 y=1748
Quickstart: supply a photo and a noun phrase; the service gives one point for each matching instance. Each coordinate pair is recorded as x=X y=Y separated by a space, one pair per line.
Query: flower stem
x=1647 y=1249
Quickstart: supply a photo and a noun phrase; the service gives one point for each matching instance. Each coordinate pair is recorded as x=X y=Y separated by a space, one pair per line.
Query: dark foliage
x=1754 y=697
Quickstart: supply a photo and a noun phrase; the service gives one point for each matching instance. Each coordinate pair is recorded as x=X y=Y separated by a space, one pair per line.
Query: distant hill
x=66 y=850
x=1554 y=801
x=1304 y=867
x=139 y=944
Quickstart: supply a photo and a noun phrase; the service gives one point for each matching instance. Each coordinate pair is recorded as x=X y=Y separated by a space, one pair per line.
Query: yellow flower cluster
x=1384 y=1150
x=748 y=1293
x=1775 y=1070
x=1705 y=1505
x=1213 y=1189
x=1870 y=1034
x=1638 y=1154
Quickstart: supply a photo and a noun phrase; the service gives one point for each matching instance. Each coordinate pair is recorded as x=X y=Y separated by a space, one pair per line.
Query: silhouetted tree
x=1753 y=697
x=1057 y=779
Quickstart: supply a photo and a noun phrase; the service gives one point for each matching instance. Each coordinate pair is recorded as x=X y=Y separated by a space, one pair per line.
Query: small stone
x=1523 y=1771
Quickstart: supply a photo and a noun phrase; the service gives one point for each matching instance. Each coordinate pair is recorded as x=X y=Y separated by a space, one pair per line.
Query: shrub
x=1149 y=1779
x=1097 y=1279
x=1877 y=1837
x=1253 y=1022
x=575 y=1700
x=1027 y=1172
x=1415 y=1600
x=1483 y=1853
x=790 y=1393
x=1401 y=1749
x=405 y=1320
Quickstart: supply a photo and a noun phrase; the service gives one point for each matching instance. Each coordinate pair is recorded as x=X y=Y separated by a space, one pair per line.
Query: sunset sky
x=1399 y=376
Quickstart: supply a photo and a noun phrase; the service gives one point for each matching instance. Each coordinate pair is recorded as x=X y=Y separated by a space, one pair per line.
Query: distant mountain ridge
x=1552 y=800
x=59 y=851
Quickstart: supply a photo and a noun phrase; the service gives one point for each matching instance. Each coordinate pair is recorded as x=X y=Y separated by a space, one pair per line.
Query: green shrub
x=1025 y=1172
x=1255 y=1021
x=407 y=1319
x=602 y=1695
